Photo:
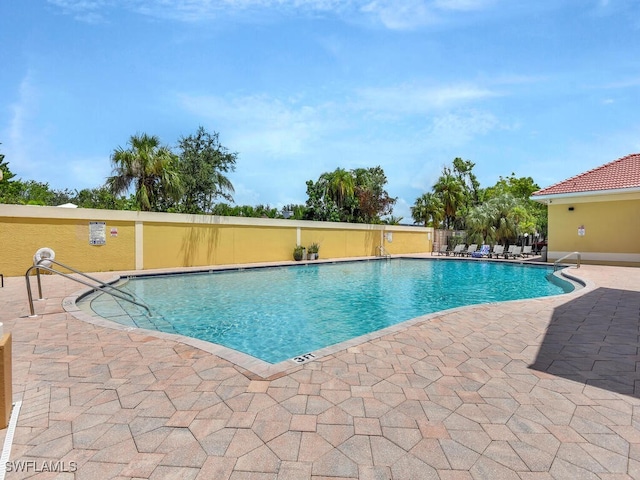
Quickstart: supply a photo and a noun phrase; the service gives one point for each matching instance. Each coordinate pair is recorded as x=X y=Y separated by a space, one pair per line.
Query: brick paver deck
x=537 y=389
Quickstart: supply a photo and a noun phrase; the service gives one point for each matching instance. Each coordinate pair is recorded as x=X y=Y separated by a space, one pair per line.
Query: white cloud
x=196 y=10
x=393 y=14
x=412 y=99
x=401 y=15
x=264 y=124
x=411 y=14
x=453 y=129
x=19 y=152
x=89 y=11
x=625 y=83
x=272 y=134
x=462 y=5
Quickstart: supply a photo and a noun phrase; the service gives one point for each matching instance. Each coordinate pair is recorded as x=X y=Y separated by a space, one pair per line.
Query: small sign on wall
x=581 y=231
x=114 y=232
x=97 y=233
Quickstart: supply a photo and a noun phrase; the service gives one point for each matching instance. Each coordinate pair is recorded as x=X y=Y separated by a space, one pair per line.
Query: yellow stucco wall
x=20 y=238
x=162 y=240
x=179 y=245
x=409 y=241
x=340 y=243
x=611 y=230
x=366 y=242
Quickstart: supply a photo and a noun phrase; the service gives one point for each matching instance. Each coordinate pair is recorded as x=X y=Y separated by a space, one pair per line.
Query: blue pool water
x=278 y=313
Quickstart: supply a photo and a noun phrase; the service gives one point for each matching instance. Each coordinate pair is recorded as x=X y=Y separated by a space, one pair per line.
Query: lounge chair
x=443 y=250
x=469 y=251
x=527 y=250
x=458 y=249
x=514 y=251
x=498 y=251
x=483 y=252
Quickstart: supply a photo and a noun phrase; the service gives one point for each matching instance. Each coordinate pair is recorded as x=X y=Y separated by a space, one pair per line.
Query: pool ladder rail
x=99 y=286
x=383 y=252
x=578 y=258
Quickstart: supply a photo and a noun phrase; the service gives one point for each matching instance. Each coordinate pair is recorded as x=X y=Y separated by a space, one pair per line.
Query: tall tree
x=349 y=196
x=463 y=170
x=10 y=189
x=451 y=192
x=340 y=187
x=505 y=221
x=150 y=168
x=203 y=165
x=293 y=211
x=373 y=201
x=521 y=188
x=428 y=209
x=330 y=198
x=481 y=224
x=32 y=192
x=101 y=197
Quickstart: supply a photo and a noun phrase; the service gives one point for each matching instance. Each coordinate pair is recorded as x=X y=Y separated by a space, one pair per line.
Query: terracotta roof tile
x=621 y=173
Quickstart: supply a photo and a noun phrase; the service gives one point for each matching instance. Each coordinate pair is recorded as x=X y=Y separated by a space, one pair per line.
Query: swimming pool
x=278 y=313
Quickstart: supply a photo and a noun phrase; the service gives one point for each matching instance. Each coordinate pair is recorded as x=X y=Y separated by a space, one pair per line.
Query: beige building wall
x=605 y=229
x=144 y=240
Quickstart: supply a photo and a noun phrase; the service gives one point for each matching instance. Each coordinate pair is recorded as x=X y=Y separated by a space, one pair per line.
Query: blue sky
x=547 y=89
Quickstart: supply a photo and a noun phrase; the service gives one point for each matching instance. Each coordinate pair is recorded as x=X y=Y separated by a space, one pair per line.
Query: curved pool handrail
x=102 y=287
x=578 y=258
x=103 y=284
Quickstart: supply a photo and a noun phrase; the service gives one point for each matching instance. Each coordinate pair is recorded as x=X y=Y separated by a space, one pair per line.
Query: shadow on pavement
x=594 y=340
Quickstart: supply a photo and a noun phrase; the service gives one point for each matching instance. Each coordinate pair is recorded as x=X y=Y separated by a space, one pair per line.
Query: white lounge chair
x=514 y=251
x=497 y=252
x=527 y=250
x=458 y=249
x=443 y=250
x=469 y=251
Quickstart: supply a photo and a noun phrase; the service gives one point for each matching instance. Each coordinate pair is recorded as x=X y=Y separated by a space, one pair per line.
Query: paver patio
x=538 y=389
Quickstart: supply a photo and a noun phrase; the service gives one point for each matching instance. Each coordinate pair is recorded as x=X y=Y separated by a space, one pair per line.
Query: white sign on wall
x=581 y=231
x=97 y=233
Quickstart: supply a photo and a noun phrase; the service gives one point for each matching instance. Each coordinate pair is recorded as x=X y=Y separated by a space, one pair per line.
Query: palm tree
x=451 y=191
x=340 y=187
x=392 y=220
x=150 y=167
x=505 y=223
x=428 y=209
x=480 y=224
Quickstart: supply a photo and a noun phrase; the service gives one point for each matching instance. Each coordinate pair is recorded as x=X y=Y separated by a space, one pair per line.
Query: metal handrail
x=97 y=280
x=102 y=286
x=578 y=258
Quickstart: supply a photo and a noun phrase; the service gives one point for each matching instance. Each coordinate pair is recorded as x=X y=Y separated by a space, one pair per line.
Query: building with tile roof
x=596 y=213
